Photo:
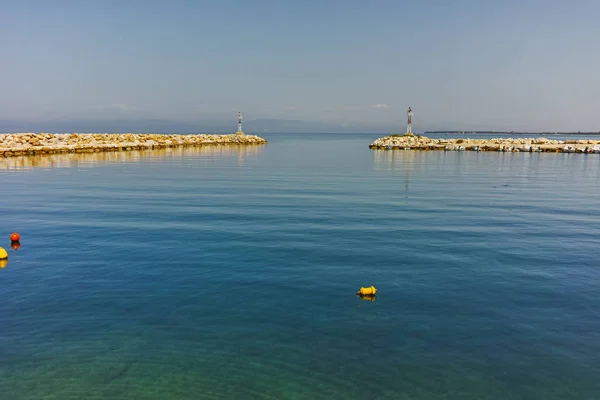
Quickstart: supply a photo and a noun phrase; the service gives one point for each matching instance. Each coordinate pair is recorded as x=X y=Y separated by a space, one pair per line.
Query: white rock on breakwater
x=415 y=142
x=17 y=144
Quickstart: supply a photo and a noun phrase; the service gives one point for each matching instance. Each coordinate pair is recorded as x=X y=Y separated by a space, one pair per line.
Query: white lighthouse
x=240 y=118
x=409 y=125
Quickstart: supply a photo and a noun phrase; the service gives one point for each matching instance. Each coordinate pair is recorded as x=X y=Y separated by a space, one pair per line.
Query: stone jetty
x=22 y=144
x=416 y=142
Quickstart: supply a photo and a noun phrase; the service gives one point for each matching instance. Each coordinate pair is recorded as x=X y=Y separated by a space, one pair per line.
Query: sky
x=461 y=64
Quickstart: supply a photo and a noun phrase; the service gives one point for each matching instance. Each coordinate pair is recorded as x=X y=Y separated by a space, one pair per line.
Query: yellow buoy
x=3 y=254
x=367 y=290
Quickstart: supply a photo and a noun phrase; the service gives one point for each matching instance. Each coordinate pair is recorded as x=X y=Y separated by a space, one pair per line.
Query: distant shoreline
x=509 y=133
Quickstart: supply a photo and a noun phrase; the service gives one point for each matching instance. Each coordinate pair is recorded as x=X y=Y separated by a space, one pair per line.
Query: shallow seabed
x=231 y=272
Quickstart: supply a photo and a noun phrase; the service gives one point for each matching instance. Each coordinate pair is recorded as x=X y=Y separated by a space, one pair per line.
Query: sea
x=228 y=272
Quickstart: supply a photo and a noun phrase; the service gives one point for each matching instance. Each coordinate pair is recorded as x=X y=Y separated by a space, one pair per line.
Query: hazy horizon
x=258 y=126
x=465 y=65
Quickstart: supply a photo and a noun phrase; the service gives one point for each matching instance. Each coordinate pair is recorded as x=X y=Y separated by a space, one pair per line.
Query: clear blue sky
x=528 y=64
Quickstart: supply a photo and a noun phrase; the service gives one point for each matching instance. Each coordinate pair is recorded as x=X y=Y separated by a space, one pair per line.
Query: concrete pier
x=19 y=144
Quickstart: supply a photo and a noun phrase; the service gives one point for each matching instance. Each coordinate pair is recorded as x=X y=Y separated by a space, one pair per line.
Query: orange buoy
x=15 y=237
x=367 y=290
x=15 y=245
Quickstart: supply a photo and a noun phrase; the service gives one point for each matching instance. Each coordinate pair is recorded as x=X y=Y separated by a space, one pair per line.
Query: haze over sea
x=226 y=272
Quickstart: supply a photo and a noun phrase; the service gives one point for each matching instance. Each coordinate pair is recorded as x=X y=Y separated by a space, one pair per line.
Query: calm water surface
x=230 y=273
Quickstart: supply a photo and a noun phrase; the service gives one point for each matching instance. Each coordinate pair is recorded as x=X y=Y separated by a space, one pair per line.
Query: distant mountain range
x=256 y=126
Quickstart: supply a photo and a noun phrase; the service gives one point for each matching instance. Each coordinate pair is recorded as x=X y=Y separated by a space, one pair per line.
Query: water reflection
x=368 y=297
x=15 y=245
x=3 y=263
x=521 y=167
x=398 y=160
x=69 y=160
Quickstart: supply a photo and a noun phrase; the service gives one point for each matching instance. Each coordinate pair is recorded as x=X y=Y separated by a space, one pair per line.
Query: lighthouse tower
x=409 y=125
x=240 y=118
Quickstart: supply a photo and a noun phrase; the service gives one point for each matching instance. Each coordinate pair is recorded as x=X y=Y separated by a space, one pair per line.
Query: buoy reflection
x=368 y=297
x=3 y=263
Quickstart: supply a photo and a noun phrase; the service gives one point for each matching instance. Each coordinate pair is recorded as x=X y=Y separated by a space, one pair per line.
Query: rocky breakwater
x=19 y=144
x=416 y=142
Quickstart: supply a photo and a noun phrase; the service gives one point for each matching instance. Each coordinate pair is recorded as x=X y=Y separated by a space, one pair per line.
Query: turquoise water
x=230 y=273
